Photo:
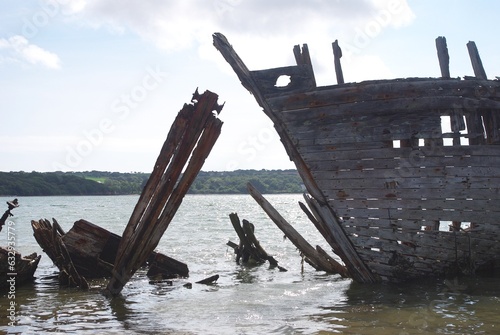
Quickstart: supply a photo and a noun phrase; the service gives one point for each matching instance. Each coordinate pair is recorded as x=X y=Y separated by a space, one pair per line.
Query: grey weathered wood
x=385 y=90
x=302 y=57
x=318 y=261
x=475 y=59
x=249 y=82
x=337 y=53
x=49 y=238
x=443 y=56
x=188 y=143
x=357 y=269
x=384 y=171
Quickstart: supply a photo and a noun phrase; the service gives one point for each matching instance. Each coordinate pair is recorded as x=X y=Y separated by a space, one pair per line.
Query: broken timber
x=88 y=251
x=249 y=248
x=49 y=237
x=189 y=141
x=317 y=258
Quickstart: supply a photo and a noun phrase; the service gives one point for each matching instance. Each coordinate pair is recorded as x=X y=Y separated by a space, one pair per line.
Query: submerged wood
x=49 y=237
x=16 y=269
x=91 y=252
x=189 y=141
x=316 y=259
x=249 y=248
x=209 y=280
x=389 y=164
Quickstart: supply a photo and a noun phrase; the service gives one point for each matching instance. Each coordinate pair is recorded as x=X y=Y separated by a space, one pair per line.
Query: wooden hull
x=404 y=174
x=92 y=250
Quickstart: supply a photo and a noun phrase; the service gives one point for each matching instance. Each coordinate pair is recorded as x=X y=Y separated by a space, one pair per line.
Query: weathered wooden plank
x=332 y=152
x=368 y=132
x=414 y=172
x=342 y=181
x=444 y=247
x=412 y=194
x=484 y=231
x=385 y=203
x=318 y=163
x=403 y=106
x=374 y=124
x=428 y=214
x=385 y=90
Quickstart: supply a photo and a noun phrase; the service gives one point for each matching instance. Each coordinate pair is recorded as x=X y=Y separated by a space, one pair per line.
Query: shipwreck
x=402 y=175
x=90 y=251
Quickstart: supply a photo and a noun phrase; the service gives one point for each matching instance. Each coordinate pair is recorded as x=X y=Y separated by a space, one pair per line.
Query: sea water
x=245 y=299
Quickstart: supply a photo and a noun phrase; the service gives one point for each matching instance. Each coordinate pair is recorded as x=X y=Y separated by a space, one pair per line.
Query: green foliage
x=265 y=181
x=106 y=183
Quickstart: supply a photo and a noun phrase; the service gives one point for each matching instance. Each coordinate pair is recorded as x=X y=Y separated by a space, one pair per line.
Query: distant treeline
x=117 y=183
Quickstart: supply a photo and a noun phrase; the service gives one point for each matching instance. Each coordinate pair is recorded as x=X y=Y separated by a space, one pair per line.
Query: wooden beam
x=313 y=257
x=443 y=56
x=337 y=53
x=189 y=141
x=475 y=59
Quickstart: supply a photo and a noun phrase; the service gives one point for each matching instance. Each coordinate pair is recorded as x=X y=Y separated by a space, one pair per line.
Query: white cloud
x=21 y=49
x=174 y=25
x=263 y=32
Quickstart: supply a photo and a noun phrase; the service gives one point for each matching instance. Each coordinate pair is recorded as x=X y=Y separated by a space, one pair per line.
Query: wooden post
x=244 y=249
x=249 y=245
x=443 y=56
x=477 y=65
x=337 y=53
x=189 y=141
x=302 y=57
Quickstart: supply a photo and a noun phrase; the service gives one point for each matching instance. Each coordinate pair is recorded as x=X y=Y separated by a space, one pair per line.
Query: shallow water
x=245 y=300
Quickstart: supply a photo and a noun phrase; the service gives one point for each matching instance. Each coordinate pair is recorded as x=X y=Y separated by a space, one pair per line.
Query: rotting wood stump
x=49 y=237
x=189 y=142
x=249 y=248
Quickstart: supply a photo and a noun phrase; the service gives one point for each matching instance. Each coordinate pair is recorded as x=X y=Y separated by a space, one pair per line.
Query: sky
x=96 y=84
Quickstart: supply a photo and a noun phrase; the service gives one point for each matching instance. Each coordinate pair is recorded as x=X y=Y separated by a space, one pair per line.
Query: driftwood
x=209 y=280
x=249 y=248
x=189 y=141
x=317 y=258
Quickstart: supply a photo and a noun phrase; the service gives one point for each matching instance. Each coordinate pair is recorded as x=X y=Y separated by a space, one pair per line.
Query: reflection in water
x=458 y=306
x=246 y=274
